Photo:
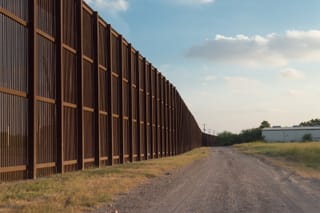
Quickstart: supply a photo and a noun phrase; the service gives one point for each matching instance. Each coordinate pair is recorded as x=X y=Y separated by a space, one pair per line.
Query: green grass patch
x=303 y=156
x=89 y=189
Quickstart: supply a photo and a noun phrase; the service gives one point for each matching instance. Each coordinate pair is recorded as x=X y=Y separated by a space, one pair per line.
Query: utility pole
x=204 y=128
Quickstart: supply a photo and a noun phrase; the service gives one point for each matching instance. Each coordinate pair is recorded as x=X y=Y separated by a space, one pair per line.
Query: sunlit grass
x=86 y=190
x=304 y=157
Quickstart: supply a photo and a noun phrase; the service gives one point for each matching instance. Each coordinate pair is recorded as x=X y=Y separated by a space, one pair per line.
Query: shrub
x=307 y=137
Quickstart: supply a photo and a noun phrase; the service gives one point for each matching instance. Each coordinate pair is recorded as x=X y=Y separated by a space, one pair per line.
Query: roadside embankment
x=302 y=158
x=89 y=189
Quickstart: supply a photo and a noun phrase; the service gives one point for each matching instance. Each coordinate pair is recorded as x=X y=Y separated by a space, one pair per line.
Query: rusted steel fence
x=75 y=94
x=208 y=140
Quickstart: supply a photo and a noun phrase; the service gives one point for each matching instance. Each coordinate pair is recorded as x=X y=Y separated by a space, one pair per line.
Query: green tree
x=250 y=135
x=312 y=122
x=227 y=139
x=247 y=135
x=264 y=124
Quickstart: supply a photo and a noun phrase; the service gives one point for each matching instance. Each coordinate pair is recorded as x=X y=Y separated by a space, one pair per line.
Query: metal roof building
x=290 y=134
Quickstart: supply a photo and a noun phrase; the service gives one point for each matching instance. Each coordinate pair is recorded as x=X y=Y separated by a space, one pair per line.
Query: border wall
x=75 y=94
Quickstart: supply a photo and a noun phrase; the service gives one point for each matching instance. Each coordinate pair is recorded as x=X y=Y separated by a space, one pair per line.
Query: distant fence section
x=75 y=94
x=208 y=140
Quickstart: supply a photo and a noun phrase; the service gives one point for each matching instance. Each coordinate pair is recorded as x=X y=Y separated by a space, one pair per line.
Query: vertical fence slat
x=156 y=112
x=110 y=99
x=157 y=122
x=59 y=70
x=79 y=15
x=32 y=149
x=170 y=120
x=175 y=121
x=167 y=117
x=150 y=109
x=96 y=88
x=130 y=103
x=138 y=103
x=144 y=62
x=120 y=79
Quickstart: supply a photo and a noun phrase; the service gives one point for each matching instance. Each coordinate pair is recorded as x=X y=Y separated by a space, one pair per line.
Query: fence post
x=163 y=147
x=147 y=90
x=151 y=111
x=32 y=88
x=80 y=84
x=109 y=66
x=170 y=118
x=160 y=114
x=138 y=104
x=173 y=119
x=60 y=86
x=96 y=87
x=175 y=122
x=157 y=113
x=156 y=148
x=130 y=120
x=165 y=116
x=178 y=123
x=145 y=109
x=121 y=147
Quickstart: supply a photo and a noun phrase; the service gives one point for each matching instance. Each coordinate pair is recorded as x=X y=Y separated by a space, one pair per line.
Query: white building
x=290 y=134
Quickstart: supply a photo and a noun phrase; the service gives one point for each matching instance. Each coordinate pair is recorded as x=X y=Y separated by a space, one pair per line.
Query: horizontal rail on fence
x=75 y=94
x=13 y=17
x=13 y=169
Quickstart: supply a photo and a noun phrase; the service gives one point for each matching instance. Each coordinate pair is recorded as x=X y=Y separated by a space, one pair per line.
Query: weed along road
x=226 y=181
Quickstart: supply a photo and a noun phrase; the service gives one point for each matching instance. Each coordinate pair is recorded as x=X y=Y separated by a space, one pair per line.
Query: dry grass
x=303 y=158
x=87 y=190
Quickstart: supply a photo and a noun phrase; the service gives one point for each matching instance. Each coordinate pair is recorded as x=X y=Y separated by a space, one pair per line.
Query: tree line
x=248 y=135
x=227 y=138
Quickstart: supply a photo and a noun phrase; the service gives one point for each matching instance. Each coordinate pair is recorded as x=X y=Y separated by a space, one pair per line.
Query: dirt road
x=227 y=181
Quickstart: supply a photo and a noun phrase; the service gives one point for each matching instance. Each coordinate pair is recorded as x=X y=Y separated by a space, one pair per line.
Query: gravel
x=226 y=181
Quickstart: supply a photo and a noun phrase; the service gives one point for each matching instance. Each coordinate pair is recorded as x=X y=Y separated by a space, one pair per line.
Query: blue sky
x=235 y=62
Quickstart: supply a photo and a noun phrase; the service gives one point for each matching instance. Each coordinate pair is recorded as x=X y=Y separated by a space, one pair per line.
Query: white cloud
x=113 y=6
x=243 y=85
x=295 y=93
x=291 y=73
x=240 y=82
x=272 y=49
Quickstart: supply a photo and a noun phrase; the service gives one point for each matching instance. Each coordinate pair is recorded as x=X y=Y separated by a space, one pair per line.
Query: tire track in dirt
x=226 y=181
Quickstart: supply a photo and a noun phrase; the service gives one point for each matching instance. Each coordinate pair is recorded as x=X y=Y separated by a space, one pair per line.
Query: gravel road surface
x=226 y=181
